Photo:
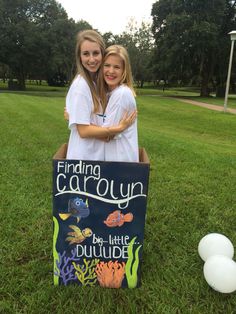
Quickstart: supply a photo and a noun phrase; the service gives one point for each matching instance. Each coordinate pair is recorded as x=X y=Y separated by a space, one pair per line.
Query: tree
x=61 y=57
x=188 y=36
x=222 y=57
x=109 y=39
x=138 y=40
x=4 y=72
x=37 y=39
x=143 y=40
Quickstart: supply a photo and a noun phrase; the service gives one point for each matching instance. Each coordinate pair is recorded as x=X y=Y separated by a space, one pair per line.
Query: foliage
x=138 y=40
x=192 y=41
x=23 y=26
x=37 y=39
x=57 y=79
x=187 y=43
x=191 y=193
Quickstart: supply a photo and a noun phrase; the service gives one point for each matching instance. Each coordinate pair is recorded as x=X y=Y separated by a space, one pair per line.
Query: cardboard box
x=99 y=211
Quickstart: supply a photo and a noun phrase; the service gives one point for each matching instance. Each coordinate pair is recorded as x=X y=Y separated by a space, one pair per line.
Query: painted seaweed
x=55 y=253
x=131 y=269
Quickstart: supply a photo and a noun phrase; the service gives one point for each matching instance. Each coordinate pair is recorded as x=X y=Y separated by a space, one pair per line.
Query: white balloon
x=214 y=244
x=220 y=273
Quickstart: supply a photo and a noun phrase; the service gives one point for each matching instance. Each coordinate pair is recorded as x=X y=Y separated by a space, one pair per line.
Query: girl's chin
x=92 y=69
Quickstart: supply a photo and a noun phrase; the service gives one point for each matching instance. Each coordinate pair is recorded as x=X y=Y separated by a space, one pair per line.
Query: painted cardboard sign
x=99 y=213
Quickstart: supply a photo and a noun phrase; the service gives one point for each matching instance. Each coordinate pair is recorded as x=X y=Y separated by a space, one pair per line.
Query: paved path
x=205 y=105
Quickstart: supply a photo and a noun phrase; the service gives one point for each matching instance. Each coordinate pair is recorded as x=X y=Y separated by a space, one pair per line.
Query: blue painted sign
x=99 y=213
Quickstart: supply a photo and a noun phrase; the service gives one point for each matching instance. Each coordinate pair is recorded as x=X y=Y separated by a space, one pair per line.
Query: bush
x=13 y=85
x=57 y=79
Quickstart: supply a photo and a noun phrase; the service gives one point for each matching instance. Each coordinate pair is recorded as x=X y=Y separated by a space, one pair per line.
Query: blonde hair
x=126 y=79
x=93 y=36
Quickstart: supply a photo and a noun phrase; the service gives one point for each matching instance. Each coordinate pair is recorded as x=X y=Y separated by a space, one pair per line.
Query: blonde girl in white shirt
x=116 y=88
x=86 y=112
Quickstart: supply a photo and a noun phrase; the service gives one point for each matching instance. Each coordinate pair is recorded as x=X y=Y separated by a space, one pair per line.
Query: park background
x=182 y=55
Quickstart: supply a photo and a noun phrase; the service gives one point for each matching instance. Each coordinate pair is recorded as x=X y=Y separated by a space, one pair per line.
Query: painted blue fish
x=76 y=208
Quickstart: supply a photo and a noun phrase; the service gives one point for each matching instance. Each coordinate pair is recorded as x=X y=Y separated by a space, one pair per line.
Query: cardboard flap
x=61 y=154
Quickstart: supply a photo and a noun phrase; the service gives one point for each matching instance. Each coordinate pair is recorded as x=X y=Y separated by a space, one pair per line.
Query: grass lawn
x=168 y=91
x=215 y=100
x=187 y=93
x=191 y=193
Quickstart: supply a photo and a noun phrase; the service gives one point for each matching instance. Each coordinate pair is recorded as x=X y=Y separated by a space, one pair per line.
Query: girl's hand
x=127 y=120
x=66 y=114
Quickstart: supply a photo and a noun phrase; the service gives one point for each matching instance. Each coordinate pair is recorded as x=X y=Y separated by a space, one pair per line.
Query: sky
x=107 y=15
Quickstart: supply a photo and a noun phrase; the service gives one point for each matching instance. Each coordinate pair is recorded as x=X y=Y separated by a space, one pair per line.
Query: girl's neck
x=93 y=76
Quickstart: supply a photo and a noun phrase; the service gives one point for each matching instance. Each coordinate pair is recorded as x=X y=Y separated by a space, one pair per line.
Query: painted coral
x=86 y=272
x=110 y=274
x=65 y=270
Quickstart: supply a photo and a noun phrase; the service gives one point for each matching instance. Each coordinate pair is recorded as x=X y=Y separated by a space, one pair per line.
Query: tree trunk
x=21 y=81
x=205 y=91
x=220 y=89
x=233 y=87
x=206 y=73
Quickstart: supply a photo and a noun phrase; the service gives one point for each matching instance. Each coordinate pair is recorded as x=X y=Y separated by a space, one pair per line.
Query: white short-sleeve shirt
x=79 y=105
x=123 y=147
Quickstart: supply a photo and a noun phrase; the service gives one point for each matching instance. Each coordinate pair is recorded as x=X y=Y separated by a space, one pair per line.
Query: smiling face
x=91 y=56
x=113 y=69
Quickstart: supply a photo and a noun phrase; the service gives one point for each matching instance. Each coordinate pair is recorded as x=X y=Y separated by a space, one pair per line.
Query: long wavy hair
x=95 y=37
x=127 y=78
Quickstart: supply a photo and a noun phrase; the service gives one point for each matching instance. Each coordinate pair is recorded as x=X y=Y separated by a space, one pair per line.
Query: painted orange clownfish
x=117 y=219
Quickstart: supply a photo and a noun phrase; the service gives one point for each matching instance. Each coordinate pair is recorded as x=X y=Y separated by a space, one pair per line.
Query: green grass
x=181 y=92
x=217 y=100
x=191 y=193
x=169 y=91
x=187 y=93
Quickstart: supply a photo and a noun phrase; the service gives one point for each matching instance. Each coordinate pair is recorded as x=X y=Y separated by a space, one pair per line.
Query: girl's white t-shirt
x=124 y=147
x=79 y=105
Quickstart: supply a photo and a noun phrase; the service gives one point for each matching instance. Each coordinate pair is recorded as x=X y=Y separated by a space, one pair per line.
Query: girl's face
x=113 y=69
x=91 y=56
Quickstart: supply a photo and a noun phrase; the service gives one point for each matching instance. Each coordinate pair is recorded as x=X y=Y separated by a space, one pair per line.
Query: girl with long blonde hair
x=86 y=112
x=116 y=88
